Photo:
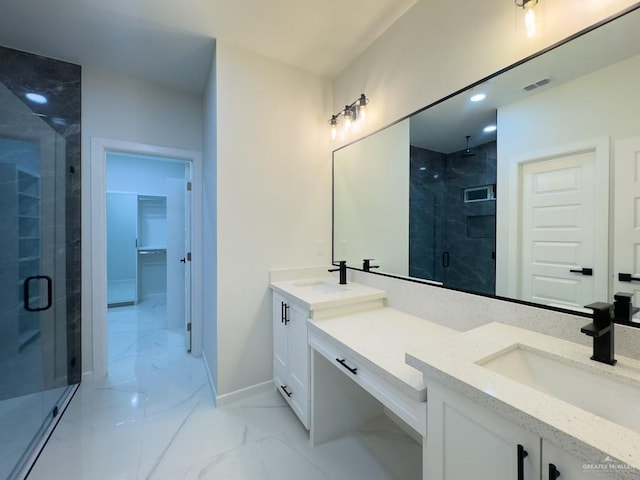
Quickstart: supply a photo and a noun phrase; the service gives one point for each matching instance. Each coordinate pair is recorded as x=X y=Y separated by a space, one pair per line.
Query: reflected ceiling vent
x=540 y=83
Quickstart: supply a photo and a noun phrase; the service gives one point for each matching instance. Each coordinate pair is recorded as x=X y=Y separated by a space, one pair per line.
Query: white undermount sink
x=609 y=397
x=320 y=286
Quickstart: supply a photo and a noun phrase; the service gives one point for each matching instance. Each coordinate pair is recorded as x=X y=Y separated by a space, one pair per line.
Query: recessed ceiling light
x=36 y=98
x=478 y=97
x=489 y=129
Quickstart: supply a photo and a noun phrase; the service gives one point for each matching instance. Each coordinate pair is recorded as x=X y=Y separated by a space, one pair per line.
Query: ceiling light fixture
x=351 y=114
x=529 y=15
x=489 y=129
x=478 y=97
x=36 y=98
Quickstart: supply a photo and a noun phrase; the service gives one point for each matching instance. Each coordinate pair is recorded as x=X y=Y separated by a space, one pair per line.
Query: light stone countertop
x=325 y=292
x=379 y=339
x=451 y=361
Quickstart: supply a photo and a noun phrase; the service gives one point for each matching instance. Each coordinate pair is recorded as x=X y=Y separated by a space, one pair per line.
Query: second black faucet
x=342 y=268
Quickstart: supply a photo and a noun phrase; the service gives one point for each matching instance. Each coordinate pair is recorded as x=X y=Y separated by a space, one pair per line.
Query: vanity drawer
x=413 y=412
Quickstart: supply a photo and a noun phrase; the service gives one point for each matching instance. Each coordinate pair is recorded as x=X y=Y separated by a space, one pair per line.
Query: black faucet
x=366 y=265
x=605 y=316
x=342 y=268
x=602 y=331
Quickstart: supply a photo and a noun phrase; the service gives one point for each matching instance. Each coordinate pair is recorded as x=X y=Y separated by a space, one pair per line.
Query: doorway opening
x=148 y=246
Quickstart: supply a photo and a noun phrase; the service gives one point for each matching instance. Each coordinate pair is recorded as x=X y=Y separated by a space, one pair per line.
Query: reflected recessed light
x=36 y=98
x=422 y=169
x=489 y=129
x=478 y=97
x=59 y=121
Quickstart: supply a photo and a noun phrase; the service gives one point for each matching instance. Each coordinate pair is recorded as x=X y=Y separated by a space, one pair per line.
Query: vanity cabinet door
x=299 y=361
x=280 y=343
x=291 y=354
x=466 y=441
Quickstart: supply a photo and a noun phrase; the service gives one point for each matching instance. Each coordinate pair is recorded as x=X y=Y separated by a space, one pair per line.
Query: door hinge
x=188 y=256
x=189 y=186
x=189 y=327
x=55 y=411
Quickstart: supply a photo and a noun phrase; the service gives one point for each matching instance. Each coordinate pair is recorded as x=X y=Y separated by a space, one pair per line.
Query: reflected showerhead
x=468 y=152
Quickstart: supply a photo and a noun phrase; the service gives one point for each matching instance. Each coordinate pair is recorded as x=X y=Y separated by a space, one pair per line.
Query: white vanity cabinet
x=465 y=440
x=291 y=353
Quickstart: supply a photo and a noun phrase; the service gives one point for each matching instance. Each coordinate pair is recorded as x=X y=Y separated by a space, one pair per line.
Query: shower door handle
x=27 y=293
x=445 y=260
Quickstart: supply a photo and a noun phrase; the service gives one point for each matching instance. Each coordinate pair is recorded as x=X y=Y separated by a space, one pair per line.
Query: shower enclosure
x=452 y=217
x=39 y=251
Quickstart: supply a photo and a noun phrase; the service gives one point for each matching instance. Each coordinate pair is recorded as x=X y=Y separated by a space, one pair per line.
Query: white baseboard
x=243 y=393
x=229 y=398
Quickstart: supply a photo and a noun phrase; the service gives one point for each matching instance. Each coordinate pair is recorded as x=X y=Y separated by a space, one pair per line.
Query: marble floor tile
x=153 y=418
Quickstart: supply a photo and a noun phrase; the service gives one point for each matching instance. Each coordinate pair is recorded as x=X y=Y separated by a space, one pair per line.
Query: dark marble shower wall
x=60 y=83
x=441 y=223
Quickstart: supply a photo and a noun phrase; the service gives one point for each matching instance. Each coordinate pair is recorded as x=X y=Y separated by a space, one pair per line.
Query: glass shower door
x=33 y=317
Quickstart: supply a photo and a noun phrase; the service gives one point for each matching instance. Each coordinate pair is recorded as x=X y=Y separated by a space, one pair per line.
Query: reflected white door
x=626 y=220
x=175 y=252
x=559 y=217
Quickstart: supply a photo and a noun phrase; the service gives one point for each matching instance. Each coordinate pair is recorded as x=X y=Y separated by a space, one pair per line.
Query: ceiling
x=172 y=42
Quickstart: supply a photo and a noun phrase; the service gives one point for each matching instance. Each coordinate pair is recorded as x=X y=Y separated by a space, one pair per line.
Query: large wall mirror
x=525 y=185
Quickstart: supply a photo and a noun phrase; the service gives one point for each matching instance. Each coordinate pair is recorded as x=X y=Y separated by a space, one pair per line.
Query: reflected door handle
x=583 y=271
x=627 y=277
x=27 y=293
x=183 y=260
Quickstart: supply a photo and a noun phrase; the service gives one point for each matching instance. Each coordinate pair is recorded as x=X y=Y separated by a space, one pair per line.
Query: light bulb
x=334 y=126
x=530 y=20
x=347 y=118
x=362 y=107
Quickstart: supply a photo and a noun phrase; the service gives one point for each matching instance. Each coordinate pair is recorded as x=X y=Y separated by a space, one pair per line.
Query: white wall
x=121 y=108
x=437 y=48
x=273 y=199
x=210 y=228
x=141 y=175
x=371 y=213
x=602 y=104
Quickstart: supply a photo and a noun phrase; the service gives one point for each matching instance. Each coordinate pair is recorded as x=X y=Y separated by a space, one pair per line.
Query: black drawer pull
x=286 y=314
x=284 y=389
x=344 y=364
x=627 y=277
x=584 y=271
x=522 y=454
x=553 y=472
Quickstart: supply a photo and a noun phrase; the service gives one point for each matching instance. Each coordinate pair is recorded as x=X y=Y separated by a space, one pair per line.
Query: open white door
x=175 y=252
x=187 y=250
x=563 y=262
x=626 y=218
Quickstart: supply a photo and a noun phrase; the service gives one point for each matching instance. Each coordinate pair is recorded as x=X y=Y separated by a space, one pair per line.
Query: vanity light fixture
x=529 y=15
x=351 y=114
